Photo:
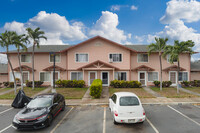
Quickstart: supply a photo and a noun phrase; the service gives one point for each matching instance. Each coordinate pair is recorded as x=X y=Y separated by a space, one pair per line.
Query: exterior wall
x=3 y=78
x=195 y=76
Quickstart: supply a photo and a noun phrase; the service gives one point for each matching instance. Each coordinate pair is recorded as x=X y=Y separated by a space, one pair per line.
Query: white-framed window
x=115 y=57
x=26 y=58
x=17 y=75
x=152 y=76
x=168 y=57
x=120 y=75
x=57 y=58
x=183 y=76
x=142 y=57
x=81 y=57
x=76 y=75
x=45 y=76
x=25 y=75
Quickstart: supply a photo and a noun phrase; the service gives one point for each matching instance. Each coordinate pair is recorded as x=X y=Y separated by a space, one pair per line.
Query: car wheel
x=63 y=107
x=50 y=118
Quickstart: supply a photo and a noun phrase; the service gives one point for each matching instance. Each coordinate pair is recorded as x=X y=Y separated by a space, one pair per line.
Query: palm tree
x=175 y=51
x=158 y=47
x=19 y=41
x=35 y=35
x=6 y=39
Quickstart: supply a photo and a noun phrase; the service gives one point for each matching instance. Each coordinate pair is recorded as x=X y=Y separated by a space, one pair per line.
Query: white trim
x=75 y=72
x=89 y=76
x=145 y=78
x=142 y=62
x=28 y=74
x=21 y=58
x=120 y=72
x=176 y=77
x=108 y=78
x=80 y=53
x=148 y=75
x=52 y=76
x=115 y=61
x=45 y=72
x=55 y=62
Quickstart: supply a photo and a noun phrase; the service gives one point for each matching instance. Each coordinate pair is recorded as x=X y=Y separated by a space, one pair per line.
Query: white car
x=126 y=108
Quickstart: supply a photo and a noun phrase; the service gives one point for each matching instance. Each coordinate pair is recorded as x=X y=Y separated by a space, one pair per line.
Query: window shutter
x=120 y=57
x=110 y=56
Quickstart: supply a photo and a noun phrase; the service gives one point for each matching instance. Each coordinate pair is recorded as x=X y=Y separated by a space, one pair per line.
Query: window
x=25 y=75
x=115 y=57
x=57 y=58
x=114 y=98
x=183 y=76
x=120 y=76
x=45 y=76
x=129 y=101
x=25 y=58
x=142 y=57
x=152 y=76
x=81 y=57
x=76 y=76
x=17 y=75
x=168 y=57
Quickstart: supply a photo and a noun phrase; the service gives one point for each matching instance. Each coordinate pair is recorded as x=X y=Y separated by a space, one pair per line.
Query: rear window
x=129 y=101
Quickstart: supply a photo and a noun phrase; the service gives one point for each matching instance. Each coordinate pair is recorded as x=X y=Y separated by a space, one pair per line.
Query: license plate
x=131 y=120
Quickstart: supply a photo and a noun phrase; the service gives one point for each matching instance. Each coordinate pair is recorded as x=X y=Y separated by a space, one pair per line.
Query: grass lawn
x=194 y=89
x=5 y=89
x=172 y=93
x=140 y=92
x=28 y=91
x=72 y=93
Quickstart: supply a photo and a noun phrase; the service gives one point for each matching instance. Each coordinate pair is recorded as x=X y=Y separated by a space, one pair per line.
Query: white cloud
x=15 y=26
x=134 y=7
x=115 y=7
x=106 y=26
x=3 y=59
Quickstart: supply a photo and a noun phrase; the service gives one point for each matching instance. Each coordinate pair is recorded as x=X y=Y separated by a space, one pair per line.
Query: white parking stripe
x=104 y=121
x=5 y=110
x=197 y=106
x=184 y=115
x=53 y=130
x=5 y=128
x=154 y=128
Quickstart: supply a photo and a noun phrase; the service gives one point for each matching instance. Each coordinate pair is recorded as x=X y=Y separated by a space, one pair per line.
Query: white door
x=57 y=76
x=173 y=77
x=91 y=77
x=105 y=78
x=142 y=78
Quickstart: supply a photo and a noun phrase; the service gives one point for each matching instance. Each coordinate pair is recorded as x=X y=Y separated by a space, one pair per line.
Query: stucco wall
x=195 y=76
x=3 y=78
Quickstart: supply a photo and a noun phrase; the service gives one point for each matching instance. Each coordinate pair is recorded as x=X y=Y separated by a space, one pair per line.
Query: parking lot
x=98 y=119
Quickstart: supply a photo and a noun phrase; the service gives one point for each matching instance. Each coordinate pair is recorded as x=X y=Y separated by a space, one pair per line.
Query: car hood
x=31 y=113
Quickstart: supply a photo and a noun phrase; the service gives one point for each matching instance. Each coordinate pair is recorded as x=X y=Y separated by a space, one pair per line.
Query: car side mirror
x=55 y=104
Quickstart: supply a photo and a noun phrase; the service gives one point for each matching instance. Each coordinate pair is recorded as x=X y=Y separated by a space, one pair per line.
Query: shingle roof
x=139 y=48
x=195 y=66
x=3 y=68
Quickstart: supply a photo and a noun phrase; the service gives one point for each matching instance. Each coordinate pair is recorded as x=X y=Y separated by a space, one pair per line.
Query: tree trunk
x=178 y=77
x=15 y=85
x=33 y=81
x=21 y=73
x=160 y=71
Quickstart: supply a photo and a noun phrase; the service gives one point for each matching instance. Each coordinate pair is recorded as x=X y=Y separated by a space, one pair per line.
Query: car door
x=55 y=108
x=112 y=102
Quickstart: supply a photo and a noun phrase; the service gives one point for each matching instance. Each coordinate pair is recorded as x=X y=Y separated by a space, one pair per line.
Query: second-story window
x=25 y=58
x=115 y=57
x=81 y=57
x=168 y=58
x=57 y=58
x=142 y=58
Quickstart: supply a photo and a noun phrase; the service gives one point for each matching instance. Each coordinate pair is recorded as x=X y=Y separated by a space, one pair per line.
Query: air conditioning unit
x=110 y=60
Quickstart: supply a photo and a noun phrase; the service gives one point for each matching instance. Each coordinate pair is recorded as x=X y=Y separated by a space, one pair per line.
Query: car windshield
x=129 y=101
x=40 y=102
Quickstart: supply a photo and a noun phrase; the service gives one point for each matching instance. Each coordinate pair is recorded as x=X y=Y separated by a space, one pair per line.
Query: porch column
x=113 y=73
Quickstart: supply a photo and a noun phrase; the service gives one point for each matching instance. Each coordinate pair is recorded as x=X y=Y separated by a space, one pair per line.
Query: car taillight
x=143 y=112
x=115 y=112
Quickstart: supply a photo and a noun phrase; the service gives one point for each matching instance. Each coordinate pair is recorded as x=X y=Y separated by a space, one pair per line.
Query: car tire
x=50 y=118
x=63 y=107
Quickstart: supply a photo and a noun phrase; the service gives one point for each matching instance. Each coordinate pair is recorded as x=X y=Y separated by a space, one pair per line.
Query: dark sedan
x=39 y=112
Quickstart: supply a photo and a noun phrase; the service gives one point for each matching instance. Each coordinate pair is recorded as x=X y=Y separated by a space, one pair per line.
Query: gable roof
x=57 y=68
x=143 y=68
x=3 y=68
x=173 y=68
x=24 y=68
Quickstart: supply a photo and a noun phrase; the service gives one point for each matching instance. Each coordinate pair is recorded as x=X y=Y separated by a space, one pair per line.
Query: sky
x=123 y=21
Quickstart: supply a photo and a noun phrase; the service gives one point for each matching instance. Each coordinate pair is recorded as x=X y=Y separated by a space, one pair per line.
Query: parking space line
x=104 y=121
x=5 y=110
x=184 y=115
x=197 y=106
x=5 y=128
x=53 y=130
x=154 y=128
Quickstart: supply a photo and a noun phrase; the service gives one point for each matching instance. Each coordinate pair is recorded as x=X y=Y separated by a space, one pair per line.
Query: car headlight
x=42 y=117
x=16 y=120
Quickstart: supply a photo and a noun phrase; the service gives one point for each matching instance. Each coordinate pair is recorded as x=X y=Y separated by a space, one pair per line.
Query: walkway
x=191 y=92
x=155 y=94
x=8 y=91
x=42 y=92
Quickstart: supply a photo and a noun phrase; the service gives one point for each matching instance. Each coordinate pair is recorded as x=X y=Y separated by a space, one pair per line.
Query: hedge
x=70 y=83
x=195 y=83
x=6 y=84
x=96 y=88
x=125 y=84
x=37 y=83
x=164 y=83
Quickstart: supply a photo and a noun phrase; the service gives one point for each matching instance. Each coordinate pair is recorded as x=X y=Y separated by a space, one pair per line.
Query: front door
x=105 y=78
x=172 y=76
x=92 y=77
x=142 y=78
x=57 y=76
x=25 y=76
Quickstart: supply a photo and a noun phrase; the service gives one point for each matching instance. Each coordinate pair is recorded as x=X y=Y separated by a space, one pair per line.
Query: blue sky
x=123 y=21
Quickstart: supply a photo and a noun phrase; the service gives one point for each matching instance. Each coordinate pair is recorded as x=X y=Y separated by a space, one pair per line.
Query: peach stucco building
x=98 y=58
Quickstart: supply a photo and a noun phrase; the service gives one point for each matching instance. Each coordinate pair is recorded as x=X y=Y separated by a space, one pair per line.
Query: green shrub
x=134 y=84
x=70 y=83
x=37 y=83
x=185 y=83
x=156 y=83
x=125 y=84
x=6 y=84
x=78 y=83
x=0 y=84
x=96 y=88
x=166 y=83
x=59 y=83
x=197 y=83
x=11 y=84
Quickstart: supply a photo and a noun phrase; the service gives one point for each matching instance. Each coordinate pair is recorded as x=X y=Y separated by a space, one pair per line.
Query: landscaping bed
x=140 y=92
x=171 y=92
x=28 y=91
x=194 y=89
x=72 y=93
